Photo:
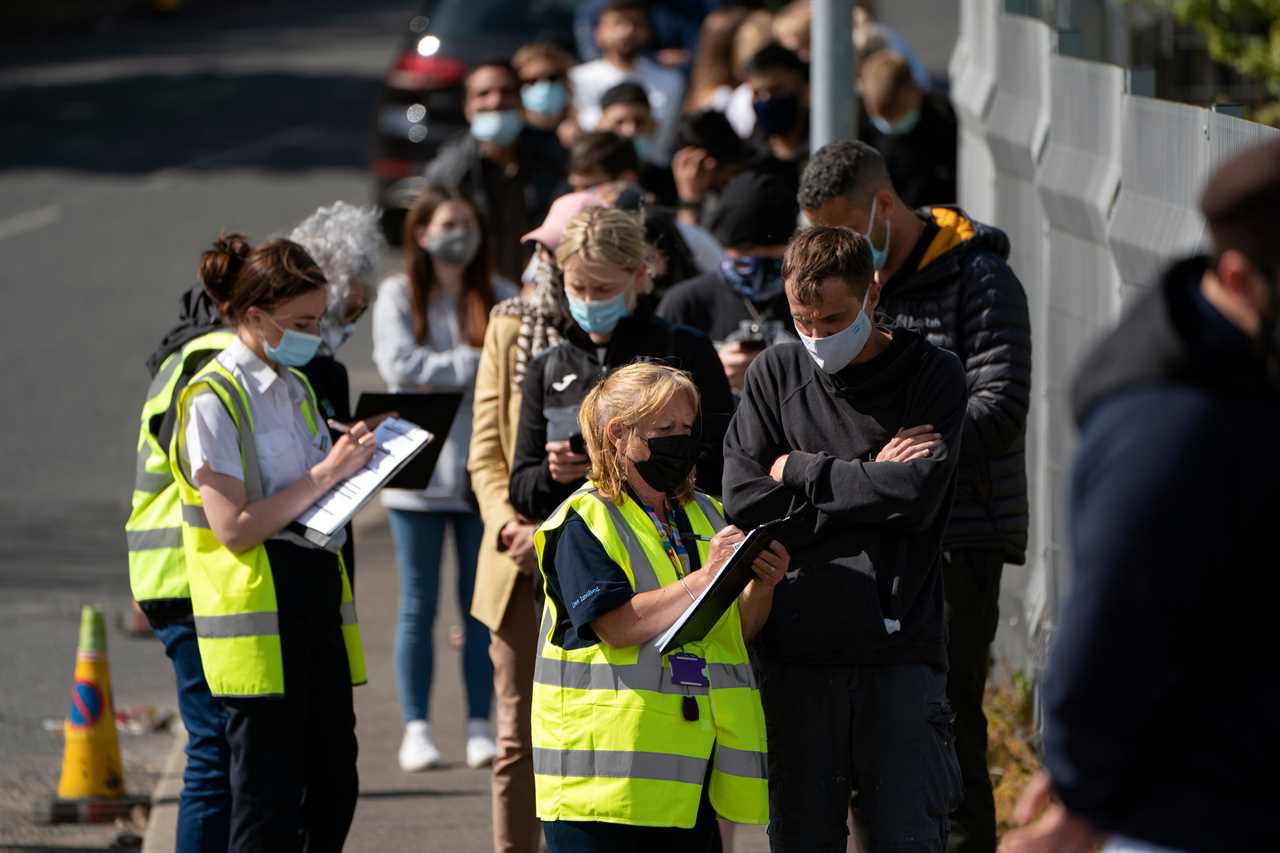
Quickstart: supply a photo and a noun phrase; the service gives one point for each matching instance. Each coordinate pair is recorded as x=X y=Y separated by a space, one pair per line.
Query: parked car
x=420 y=106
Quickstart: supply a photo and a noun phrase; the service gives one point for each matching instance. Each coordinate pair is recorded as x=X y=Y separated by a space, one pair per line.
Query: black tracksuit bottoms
x=293 y=759
x=971 y=582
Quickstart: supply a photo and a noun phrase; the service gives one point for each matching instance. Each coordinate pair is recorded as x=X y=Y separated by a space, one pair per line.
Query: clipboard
x=398 y=443
x=705 y=611
x=433 y=409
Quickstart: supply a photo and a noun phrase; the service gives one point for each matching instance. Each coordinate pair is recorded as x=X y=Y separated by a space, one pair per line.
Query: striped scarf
x=540 y=318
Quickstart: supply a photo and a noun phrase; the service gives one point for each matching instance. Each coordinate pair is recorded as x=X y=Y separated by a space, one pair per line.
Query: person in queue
x=1159 y=533
x=631 y=752
x=945 y=275
x=158 y=568
x=603 y=256
x=622 y=33
x=914 y=129
x=344 y=240
x=510 y=170
x=543 y=69
x=681 y=250
x=273 y=612
x=428 y=325
x=505 y=595
x=741 y=305
x=854 y=433
x=779 y=84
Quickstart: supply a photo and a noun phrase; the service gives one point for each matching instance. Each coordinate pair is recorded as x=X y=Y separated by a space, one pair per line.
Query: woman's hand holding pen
x=722 y=546
x=351 y=452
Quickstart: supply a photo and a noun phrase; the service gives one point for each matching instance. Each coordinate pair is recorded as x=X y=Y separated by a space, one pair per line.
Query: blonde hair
x=606 y=235
x=629 y=395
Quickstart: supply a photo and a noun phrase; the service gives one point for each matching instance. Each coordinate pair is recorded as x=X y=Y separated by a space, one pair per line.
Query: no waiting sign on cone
x=92 y=785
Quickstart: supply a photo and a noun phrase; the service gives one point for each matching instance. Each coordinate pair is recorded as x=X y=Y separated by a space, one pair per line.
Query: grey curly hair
x=344 y=240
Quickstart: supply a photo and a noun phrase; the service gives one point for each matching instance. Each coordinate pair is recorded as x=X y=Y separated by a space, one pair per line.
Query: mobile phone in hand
x=577 y=443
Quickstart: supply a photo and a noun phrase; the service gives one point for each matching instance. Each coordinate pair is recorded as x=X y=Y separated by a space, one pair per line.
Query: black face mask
x=671 y=458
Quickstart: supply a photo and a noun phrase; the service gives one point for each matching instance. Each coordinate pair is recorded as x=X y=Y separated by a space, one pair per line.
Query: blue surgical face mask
x=757 y=279
x=598 y=318
x=900 y=126
x=501 y=127
x=546 y=97
x=646 y=148
x=295 y=348
x=881 y=255
x=834 y=352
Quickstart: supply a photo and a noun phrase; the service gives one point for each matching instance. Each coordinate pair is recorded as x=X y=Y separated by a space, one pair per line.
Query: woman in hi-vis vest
x=633 y=750
x=274 y=617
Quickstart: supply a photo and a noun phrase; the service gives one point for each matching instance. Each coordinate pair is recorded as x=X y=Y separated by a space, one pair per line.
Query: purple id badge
x=688 y=670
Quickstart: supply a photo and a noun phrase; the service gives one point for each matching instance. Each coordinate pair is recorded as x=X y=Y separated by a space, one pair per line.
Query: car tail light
x=414 y=71
x=395 y=168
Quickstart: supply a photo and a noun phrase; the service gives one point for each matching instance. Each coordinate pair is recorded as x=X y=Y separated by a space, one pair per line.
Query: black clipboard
x=701 y=616
x=433 y=410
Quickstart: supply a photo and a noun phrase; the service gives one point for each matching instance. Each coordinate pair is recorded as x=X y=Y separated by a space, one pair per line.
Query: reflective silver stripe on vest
x=194 y=516
x=618 y=764
x=708 y=508
x=258 y=624
x=149 y=540
x=725 y=676
x=248 y=450
x=149 y=481
x=741 y=762
x=647 y=673
x=645 y=578
x=348 y=611
x=172 y=363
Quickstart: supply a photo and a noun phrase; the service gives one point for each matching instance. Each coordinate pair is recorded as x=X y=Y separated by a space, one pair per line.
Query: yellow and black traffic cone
x=92 y=786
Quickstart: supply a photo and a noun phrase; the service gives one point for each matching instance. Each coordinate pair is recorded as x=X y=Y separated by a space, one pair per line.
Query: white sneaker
x=480 y=746
x=418 y=751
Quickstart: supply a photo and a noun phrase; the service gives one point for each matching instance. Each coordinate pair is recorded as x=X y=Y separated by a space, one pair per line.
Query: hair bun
x=220 y=265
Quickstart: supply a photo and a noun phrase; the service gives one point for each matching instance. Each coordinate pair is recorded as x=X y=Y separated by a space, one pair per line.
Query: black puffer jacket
x=963 y=297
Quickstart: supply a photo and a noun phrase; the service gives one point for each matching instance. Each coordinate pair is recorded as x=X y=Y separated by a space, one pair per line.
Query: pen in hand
x=345 y=429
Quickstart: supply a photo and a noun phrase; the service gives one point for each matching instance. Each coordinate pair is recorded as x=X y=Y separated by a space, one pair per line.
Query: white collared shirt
x=286 y=448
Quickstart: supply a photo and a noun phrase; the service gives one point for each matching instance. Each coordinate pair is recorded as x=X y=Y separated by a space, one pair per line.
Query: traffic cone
x=92 y=784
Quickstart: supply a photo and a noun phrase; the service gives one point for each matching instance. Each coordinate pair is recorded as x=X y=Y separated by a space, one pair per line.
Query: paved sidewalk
x=445 y=810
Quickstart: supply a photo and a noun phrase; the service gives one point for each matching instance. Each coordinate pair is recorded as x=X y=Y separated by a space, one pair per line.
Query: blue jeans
x=419 y=538
x=204 y=809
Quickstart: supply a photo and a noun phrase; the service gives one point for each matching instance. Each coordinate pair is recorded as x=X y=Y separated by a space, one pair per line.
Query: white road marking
x=29 y=221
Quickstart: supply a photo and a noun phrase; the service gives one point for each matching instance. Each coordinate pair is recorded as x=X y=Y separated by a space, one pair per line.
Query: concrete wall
x=1097 y=190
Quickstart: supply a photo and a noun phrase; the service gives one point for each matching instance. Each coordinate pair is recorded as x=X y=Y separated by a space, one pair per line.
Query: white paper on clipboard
x=398 y=442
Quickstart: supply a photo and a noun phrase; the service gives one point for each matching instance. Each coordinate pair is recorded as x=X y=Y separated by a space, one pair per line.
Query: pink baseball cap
x=562 y=210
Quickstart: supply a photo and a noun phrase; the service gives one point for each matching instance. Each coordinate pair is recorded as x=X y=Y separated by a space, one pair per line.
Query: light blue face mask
x=501 y=127
x=295 y=348
x=900 y=126
x=598 y=318
x=881 y=255
x=546 y=97
x=646 y=148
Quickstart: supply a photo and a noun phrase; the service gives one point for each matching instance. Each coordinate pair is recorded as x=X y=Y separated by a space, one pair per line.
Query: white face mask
x=834 y=352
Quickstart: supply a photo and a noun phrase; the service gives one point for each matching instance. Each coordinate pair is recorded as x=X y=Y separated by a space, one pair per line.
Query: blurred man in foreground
x=1162 y=686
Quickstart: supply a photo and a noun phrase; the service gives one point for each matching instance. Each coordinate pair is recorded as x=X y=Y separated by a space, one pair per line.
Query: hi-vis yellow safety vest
x=157 y=571
x=233 y=596
x=610 y=742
